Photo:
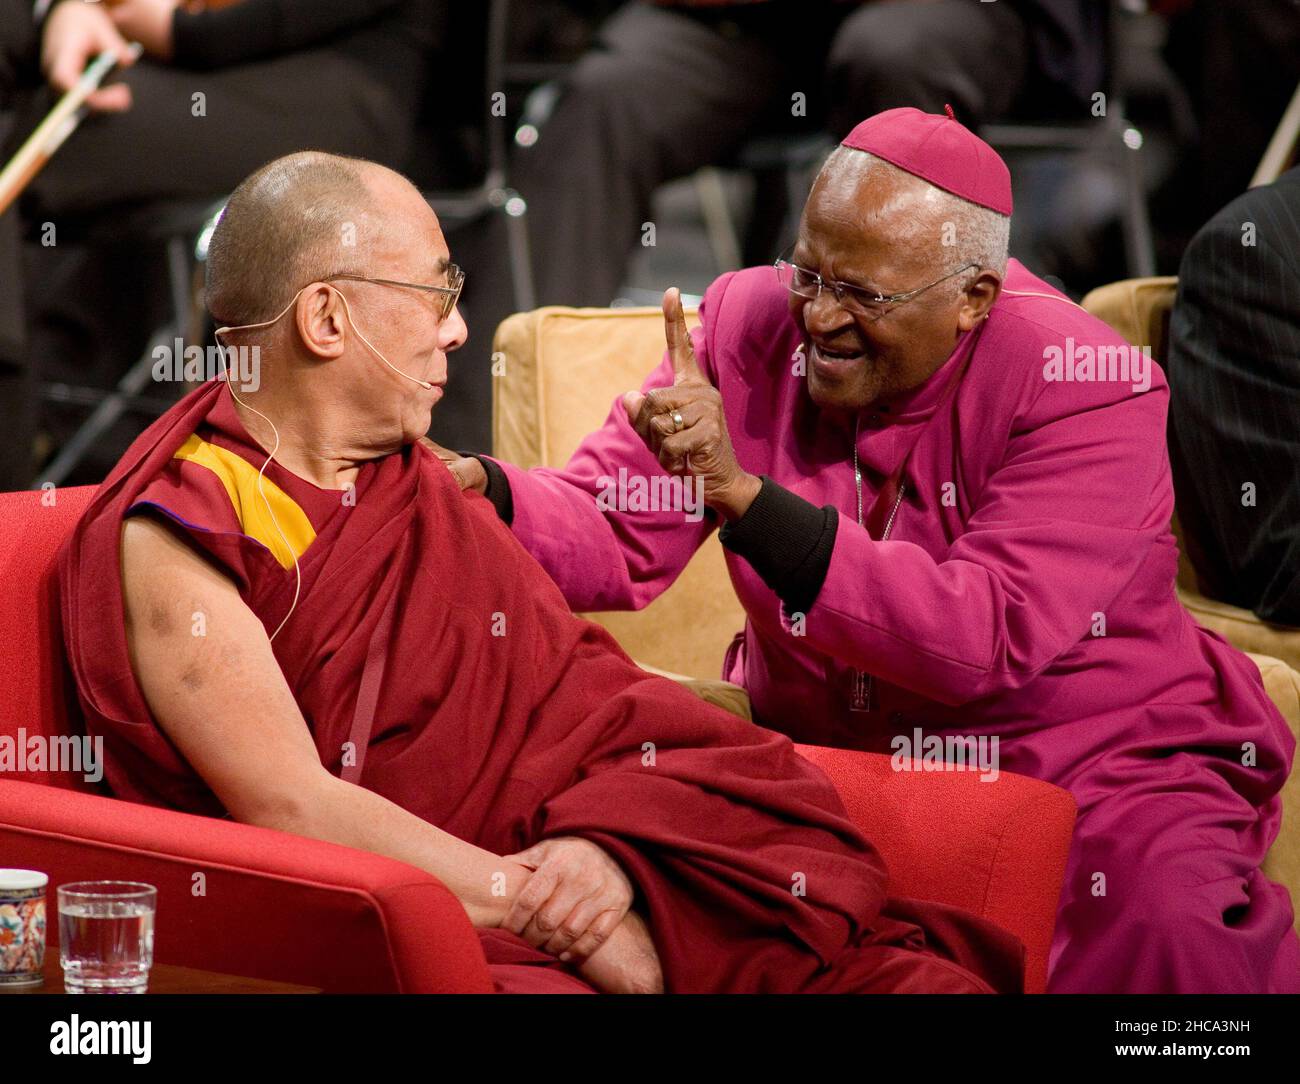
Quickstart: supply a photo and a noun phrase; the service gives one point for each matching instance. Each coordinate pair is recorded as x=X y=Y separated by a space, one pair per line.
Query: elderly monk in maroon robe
x=281 y=608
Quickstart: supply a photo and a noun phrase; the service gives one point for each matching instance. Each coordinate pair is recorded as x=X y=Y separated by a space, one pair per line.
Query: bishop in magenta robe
x=1012 y=577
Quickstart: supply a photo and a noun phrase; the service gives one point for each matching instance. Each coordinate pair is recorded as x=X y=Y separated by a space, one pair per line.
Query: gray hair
x=979 y=235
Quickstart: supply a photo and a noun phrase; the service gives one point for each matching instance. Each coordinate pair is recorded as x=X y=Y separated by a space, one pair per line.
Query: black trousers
x=666 y=92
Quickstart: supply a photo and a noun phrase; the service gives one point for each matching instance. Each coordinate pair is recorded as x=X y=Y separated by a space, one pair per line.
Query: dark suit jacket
x=1234 y=374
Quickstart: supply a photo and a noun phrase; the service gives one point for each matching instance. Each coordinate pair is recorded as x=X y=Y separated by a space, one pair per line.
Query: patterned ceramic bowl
x=22 y=926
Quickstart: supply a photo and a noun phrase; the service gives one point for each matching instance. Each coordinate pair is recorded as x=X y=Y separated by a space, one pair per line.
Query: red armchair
x=277 y=906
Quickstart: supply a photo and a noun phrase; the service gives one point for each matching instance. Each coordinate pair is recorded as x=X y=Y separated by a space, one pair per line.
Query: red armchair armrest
x=997 y=849
x=274 y=905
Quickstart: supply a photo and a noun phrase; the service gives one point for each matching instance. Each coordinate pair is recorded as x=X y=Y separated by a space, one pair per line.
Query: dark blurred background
x=550 y=134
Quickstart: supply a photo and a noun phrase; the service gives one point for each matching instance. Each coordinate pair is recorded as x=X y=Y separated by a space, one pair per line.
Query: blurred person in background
x=1240 y=64
x=676 y=85
x=1234 y=415
x=217 y=93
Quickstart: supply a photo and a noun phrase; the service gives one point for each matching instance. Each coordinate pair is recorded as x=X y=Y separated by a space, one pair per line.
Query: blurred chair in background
x=1106 y=128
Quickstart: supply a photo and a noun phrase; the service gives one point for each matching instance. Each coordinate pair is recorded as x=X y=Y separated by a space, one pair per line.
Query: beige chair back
x=1282 y=863
x=560 y=371
x=1138 y=309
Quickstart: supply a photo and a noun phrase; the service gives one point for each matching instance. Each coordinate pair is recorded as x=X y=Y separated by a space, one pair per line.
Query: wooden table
x=170 y=979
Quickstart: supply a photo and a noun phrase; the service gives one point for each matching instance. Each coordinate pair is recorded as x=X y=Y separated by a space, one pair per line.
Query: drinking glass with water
x=106 y=936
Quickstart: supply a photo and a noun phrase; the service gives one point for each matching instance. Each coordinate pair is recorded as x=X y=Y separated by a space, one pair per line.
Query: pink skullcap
x=940 y=150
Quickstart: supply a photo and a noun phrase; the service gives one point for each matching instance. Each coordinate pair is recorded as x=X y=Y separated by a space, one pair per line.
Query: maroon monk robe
x=504 y=720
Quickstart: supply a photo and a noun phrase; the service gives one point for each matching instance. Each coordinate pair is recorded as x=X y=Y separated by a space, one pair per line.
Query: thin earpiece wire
x=297 y=588
x=373 y=349
x=297 y=591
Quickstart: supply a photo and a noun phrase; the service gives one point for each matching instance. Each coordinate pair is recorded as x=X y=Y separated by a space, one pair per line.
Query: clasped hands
x=575 y=905
x=683 y=425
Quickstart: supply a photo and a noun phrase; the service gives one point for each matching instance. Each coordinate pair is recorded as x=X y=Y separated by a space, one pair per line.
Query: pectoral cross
x=862 y=696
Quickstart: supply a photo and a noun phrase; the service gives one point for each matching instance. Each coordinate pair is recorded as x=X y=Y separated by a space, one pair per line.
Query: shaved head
x=345 y=265
x=306 y=216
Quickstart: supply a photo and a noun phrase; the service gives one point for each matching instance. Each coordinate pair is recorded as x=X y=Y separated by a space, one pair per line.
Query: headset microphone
x=360 y=335
x=416 y=380
x=217 y=334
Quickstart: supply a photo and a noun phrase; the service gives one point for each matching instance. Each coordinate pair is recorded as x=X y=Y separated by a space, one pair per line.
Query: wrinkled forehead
x=854 y=185
x=859 y=204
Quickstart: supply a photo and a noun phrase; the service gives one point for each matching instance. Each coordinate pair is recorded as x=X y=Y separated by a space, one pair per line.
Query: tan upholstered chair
x=1283 y=862
x=1138 y=309
x=563 y=369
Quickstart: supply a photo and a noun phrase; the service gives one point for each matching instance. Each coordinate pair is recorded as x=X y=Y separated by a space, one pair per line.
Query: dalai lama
x=281 y=608
x=944 y=494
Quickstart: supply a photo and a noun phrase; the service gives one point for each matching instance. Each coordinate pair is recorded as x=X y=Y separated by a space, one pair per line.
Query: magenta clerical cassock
x=1025 y=592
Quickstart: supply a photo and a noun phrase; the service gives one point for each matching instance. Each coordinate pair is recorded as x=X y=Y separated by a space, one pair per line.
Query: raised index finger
x=685 y=369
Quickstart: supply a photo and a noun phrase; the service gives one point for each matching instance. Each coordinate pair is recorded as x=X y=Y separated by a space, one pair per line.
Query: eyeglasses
x=855 y=299
x=450 y=293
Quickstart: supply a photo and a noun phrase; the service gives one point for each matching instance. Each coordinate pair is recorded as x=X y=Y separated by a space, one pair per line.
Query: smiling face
x=875 y=226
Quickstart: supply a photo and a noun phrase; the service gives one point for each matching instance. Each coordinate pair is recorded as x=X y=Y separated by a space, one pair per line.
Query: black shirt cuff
x=788 y=541
x=497 y=489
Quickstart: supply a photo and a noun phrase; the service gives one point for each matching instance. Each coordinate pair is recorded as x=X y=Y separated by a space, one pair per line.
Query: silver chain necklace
x=861 y=698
